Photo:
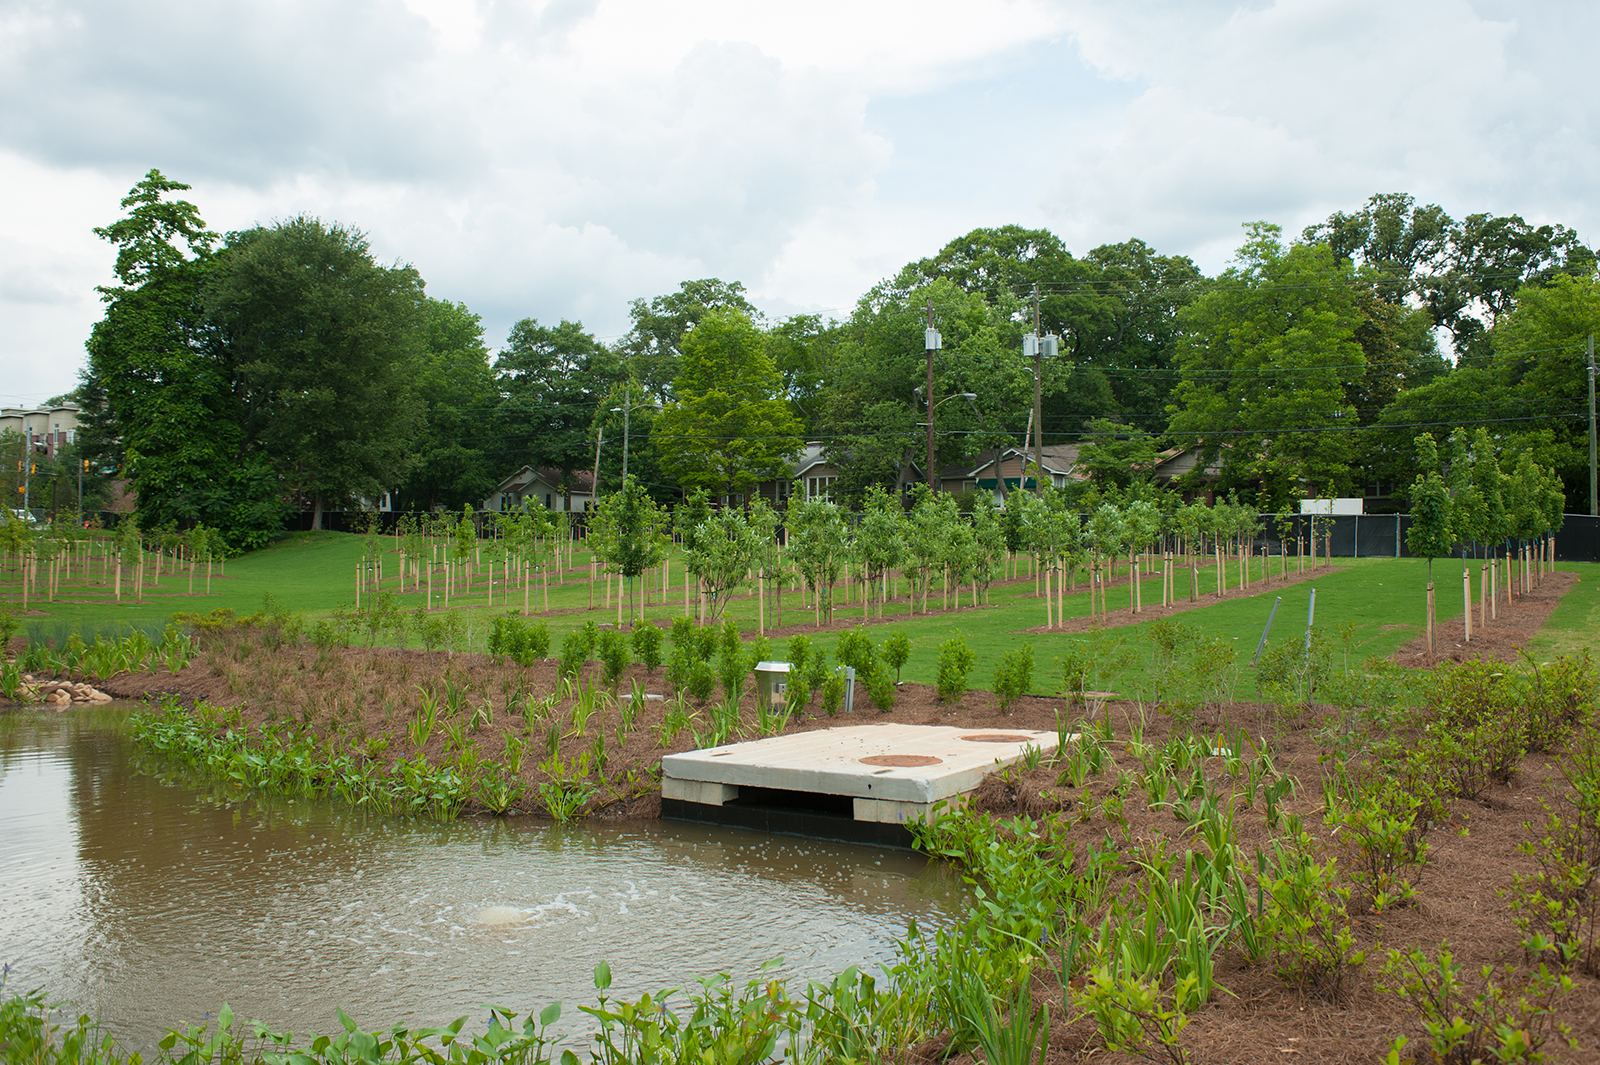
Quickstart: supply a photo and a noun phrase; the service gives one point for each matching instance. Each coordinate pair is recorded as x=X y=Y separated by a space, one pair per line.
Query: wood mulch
x=1502 y=641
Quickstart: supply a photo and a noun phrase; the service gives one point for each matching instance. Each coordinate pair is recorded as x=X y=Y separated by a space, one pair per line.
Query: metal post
x=1311 y=617
x=1264 y=633
x=627 y=409
x=1038 y=401
x=930 y=344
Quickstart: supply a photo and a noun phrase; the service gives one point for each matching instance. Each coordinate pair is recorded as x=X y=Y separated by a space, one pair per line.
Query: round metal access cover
x=997 y=737
x=904 y=761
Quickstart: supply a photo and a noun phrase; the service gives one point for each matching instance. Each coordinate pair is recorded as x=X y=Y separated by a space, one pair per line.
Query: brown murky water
x=150 y=903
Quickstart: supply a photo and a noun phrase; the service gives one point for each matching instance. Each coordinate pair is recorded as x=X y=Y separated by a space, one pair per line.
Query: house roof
x=524 y=478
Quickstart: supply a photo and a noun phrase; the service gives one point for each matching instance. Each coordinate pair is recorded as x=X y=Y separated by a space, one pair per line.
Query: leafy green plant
x=955 y=662
x=1013 y=676
x=1380 y=838
x=896 y=652
x=1509 y=1019
x=647 y=645
x=615 y=656
x=574 y=653
x=833 y=693
x=1306 y=920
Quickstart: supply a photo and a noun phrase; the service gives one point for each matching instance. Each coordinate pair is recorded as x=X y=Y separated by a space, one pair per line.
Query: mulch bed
x=1505 y=636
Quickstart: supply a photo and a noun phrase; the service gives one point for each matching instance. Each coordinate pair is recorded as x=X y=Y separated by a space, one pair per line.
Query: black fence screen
x=1384 y=536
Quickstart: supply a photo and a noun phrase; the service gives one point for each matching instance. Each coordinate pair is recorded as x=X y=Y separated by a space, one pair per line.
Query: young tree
x=879 y=541
x=628 y=533
x=723 y=553
x=1430 y=535
x=818 y=540
x=767 y=561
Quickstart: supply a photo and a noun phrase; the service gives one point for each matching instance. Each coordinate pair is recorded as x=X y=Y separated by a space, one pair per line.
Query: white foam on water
x=501 y=915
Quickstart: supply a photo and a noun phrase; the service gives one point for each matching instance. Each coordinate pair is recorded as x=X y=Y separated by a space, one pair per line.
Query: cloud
x=1291 y=110
x=557 y=158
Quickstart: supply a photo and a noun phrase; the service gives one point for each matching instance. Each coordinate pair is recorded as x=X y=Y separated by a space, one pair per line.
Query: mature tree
x=1268 y=358
x=654 y=343
x=801 y=348
x=327 y=346
x=451 y=456
x=1115 y=310
x=874 y=409
x=1466 y=274
x=1117 y=454
x=159 y=391
x=727 y=429
x=554 y=380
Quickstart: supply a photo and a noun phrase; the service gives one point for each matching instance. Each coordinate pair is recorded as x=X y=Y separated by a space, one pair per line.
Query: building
x=47 y=429
x=542 y=487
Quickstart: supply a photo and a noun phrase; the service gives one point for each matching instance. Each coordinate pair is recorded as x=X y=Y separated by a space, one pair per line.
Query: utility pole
x=627 y=409
x=595 y=489
x=931 y=343
x=1038 y=400
x=1594 y=467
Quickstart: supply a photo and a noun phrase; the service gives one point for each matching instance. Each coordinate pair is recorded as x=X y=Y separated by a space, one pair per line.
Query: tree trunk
x=316 y=510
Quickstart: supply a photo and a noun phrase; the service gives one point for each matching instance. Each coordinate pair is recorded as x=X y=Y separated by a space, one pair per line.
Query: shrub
x=574 y=653
x=701 y=681
x=817 y=669
x=535 y=643
x=1499 y=1023
x=647 y=645
x=856 y=651
x=1306 y=919
x=614 y=656
x=833 y=693
x=799 y=654
x=685 y=652
x=1381 y=839
x=896 y=652
x=955 y=662
x=881 y=690
x=1013 y=676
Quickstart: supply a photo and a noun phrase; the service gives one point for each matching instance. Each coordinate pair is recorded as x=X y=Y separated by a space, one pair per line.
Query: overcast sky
x=558 y=159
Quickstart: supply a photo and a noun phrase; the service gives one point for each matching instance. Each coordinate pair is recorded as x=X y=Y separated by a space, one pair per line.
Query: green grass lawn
x=1365 y=607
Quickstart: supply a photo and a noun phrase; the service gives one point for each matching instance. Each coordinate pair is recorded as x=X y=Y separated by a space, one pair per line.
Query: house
x=985 y=471
x=47 y=429
x=542 y=487
x=1176 y=464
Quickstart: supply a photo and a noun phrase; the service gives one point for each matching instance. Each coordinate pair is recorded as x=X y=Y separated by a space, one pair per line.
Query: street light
x=922 y=397
x=625 y=410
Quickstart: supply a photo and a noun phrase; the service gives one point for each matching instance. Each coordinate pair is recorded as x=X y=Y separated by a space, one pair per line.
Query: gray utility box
x=772 y=682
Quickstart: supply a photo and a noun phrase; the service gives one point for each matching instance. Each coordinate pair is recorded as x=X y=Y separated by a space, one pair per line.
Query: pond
x=148 y=902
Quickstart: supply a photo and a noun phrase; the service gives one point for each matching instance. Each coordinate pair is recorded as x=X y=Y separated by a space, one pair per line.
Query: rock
x=98 y=696
x=59 y=697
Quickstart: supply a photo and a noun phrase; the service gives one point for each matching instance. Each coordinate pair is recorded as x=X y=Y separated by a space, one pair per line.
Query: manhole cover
x=902 y=760
x=997 y=737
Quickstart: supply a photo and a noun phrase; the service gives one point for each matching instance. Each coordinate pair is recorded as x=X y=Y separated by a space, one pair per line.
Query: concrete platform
x=860 y=782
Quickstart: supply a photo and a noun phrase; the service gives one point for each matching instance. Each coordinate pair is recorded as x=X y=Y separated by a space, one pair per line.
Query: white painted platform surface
x=934 y=762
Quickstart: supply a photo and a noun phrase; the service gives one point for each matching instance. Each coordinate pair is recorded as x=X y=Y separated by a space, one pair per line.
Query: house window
x=548 y=500
x=819 y=487
x=783 y=490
